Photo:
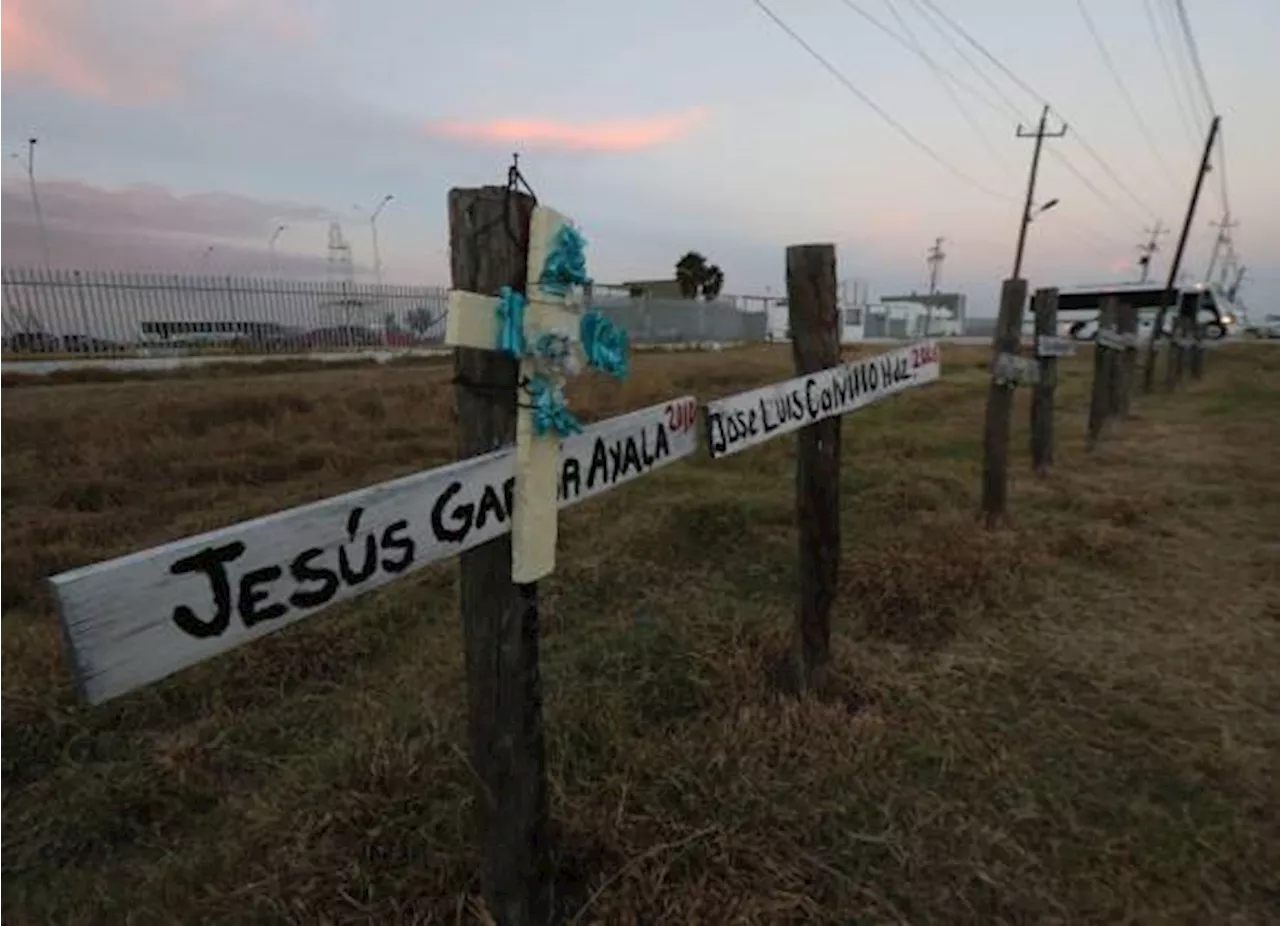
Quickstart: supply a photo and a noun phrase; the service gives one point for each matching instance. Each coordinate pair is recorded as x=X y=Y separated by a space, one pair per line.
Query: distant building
x=654 y=289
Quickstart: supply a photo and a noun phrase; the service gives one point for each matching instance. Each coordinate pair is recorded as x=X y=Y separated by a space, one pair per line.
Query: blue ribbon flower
x=550 y=413
x=510 y=313
x=566 y=263
x=605 y=344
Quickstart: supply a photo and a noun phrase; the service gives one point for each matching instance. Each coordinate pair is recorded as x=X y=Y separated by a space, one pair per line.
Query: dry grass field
x=1075 y=719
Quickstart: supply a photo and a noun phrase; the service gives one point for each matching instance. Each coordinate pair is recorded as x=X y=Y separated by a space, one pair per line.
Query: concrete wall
x=672 y=320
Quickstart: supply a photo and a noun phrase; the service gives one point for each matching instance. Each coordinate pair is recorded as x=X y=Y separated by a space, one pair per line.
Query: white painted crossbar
x=134 y=620
x=750 y=418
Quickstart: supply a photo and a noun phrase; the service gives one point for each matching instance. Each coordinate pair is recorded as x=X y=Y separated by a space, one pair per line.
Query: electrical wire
x=1193 y=49
x=1094 y=234
x=1039 y=98
x=909 y=42
x=875 y=107
x=1185 y=23
x=1186 y=80
x=941 y=70
x=1185 y=116
x=1179 y=12
x=959 y=50
x=1124 y=90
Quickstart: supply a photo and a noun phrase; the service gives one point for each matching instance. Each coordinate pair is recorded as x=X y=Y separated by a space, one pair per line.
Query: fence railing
x=101 y=312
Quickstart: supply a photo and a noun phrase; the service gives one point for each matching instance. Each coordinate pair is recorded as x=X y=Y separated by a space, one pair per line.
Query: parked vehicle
x=1270 y=328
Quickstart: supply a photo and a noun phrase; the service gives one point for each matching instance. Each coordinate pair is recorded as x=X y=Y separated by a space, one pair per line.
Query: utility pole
x=1224 y=237
x=1228 y=264
x=1039 y=135
x=934 y=260
x=1148 y=249
x=1149 y=371
x=1235 y=287
x=35 y=199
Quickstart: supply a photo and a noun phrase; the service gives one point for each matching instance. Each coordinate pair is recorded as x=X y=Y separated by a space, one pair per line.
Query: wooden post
x=1104 y=364
x=1046 y=314
x=1195 y=360
x=489 y=240
x=1177 y=358
x=1126 y=373
x=995 y=444
x=815 y=345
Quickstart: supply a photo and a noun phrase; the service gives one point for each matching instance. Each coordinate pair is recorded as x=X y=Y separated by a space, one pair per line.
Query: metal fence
x=667 y=321
x=97 y=312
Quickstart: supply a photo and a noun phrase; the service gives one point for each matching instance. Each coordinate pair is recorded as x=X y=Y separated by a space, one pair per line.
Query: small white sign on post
x=134 y=620
x=1111 y=339
x=750 y=418
x=1049 y=345
x=1012 y=370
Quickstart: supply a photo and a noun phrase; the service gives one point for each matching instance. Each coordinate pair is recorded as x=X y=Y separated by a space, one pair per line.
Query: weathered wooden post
x=1195 y=364
x=1049 y=347
x=1176 y=361
x=489 y=242
x=1127 y=369
x=1007 y=369
x=1106 y=346
x=815 y=345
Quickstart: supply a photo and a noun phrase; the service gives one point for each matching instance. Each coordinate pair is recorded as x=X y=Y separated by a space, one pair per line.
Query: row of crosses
x=546 y=332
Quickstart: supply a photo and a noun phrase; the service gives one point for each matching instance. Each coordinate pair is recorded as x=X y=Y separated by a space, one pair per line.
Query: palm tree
x=712 y=282
x=691 y=271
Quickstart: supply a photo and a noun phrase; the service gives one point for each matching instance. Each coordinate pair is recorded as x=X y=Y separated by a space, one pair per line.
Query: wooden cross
x=473 y=322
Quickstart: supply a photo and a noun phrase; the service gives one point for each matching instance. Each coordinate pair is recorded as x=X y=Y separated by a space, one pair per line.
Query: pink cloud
x=604 y=135
x=87 y=49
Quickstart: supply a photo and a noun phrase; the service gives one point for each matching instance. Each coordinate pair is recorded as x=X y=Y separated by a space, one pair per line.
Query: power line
x=1124 y=90
x=1089 y=184
x=1089 y=149
x=835 y=72
x=983 y=75
x=897 y=126
x=913 y=46
x=1013 y=108
x=1186 y=80
x=1195 y=52
x=1188 y=121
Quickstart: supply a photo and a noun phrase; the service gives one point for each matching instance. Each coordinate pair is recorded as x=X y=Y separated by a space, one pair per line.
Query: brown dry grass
x=1071 y=720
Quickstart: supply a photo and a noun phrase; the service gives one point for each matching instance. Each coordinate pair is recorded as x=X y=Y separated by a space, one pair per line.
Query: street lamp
x=271 y=246
x=1043 y=209
x=35 y=198
x=373 y=228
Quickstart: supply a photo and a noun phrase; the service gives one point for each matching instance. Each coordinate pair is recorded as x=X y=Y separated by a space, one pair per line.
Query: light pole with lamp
x=373 y=228
x=35 y=197
x=271 y=246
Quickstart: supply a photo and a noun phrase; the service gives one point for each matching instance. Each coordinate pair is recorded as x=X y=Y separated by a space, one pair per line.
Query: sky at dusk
x=167 y=126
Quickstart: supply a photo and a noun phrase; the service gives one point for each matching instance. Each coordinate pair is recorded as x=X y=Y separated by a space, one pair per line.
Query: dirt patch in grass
x=1071 y=719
